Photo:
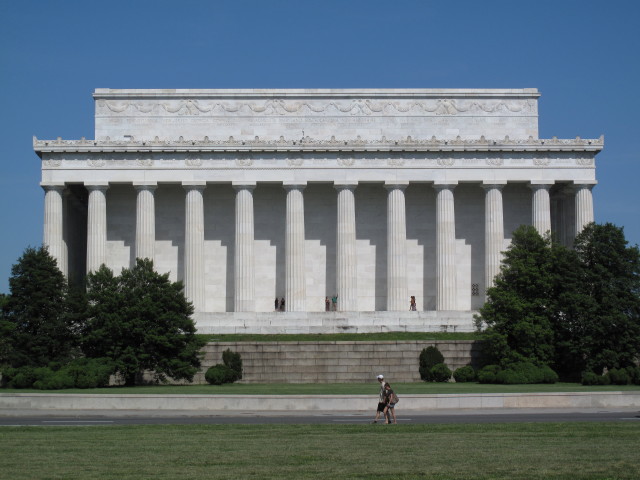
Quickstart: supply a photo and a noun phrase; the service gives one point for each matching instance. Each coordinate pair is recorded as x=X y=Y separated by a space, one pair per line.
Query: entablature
x=307 y=144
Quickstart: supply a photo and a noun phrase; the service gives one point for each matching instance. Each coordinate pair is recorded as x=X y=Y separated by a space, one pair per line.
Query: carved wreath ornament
x=440 y=106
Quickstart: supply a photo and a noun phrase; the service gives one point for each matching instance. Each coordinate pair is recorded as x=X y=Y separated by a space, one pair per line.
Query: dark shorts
x=381 y=406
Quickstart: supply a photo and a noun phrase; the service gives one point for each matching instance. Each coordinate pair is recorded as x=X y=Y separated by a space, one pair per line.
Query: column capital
x=103 y=186
x=491 y=184
x=294 y=185
x=243 y=185
x=584 y=184
x=46 y=186
x=444 y=185
x=538 y=184
x=194 y=185
x=342 y=185
x=397 y=185
x=150 y=186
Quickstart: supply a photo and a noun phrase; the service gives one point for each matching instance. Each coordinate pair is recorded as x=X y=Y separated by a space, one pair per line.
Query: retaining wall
x=336 y=362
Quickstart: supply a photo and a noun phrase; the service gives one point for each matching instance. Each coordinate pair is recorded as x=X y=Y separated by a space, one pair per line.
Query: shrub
x=464 y=374
x=440 y=373
x=49 y=379
x=90 y=372
x=488 y=374
x=429 y=358
x=590 y=378
x=548 y=375
x=619 y=376
x=80 y=373
x=511 y=377
x=517 y=373
x=233 y=360
x=219 y=374
x=19 y=377
x=634 y=374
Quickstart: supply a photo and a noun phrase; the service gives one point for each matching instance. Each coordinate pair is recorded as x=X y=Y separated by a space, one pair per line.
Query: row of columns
x=346 y=266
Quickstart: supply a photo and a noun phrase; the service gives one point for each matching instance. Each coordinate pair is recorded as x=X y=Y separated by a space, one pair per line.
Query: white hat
x=380 y=377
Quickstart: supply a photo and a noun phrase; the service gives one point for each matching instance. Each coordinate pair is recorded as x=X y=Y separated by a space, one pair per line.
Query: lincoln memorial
x=369 y=196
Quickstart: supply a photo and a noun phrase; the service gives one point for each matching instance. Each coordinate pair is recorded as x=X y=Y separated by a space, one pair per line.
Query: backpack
x=394 y=398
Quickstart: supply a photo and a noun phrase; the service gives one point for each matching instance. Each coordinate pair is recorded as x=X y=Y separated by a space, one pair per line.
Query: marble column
x=584 y=206
x=244 y=296
x=493 y=231
x=346 y=260
x=541 y=207
x=446 y=294
x=145 y=220
x=194 y=244
x=54 y=224
x=96 y=226
x=295 y=286
x=397 y=290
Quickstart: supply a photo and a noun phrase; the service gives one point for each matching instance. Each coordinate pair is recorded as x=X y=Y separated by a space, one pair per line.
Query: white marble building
x=373 y=195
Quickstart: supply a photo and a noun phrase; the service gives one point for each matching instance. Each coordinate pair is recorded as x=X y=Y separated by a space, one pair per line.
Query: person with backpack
x=390 y=400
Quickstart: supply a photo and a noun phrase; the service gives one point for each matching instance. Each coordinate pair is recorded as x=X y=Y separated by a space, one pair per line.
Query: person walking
x=390 y=400
x=381 y=400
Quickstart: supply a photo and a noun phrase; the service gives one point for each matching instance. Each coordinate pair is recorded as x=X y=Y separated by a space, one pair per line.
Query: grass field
x=498 y=451
x=335 y=389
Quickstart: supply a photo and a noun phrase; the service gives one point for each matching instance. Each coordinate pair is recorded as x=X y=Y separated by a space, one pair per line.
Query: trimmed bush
x=19 y=377
x=233 y=360
x=49 y=379
x=219 y=374
x=80 y=373
x=91 y=372
x=488 y=374
x=517 y=373
x=440 y=373
x=429 y=358
x=634 y=374
x=464 y=374
x=619 y=376
x=590 y=378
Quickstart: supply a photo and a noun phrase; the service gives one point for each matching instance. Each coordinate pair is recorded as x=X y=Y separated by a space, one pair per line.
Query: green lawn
x=344 y=337
x=335 y=389
x=496 y=451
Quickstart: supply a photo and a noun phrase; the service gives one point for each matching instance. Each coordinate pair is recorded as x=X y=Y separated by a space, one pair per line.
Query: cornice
x=307 y=144
x=326 y=93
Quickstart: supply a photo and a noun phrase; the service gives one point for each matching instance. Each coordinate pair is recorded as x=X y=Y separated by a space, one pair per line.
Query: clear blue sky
x=584 y=57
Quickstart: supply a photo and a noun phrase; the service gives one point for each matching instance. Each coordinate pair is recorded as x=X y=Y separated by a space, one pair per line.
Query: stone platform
x=334 y=322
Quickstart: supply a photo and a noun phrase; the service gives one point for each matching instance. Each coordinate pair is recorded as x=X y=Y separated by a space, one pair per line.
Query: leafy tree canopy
x=37 y=321
x=574 y=309
x=517 y=311
x=608 y=329
x=142 y=321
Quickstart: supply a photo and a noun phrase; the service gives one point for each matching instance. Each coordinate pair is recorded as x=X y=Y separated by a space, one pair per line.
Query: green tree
x=606 y=330
x=142 y=321
x=519 y=308
x=36 y=317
